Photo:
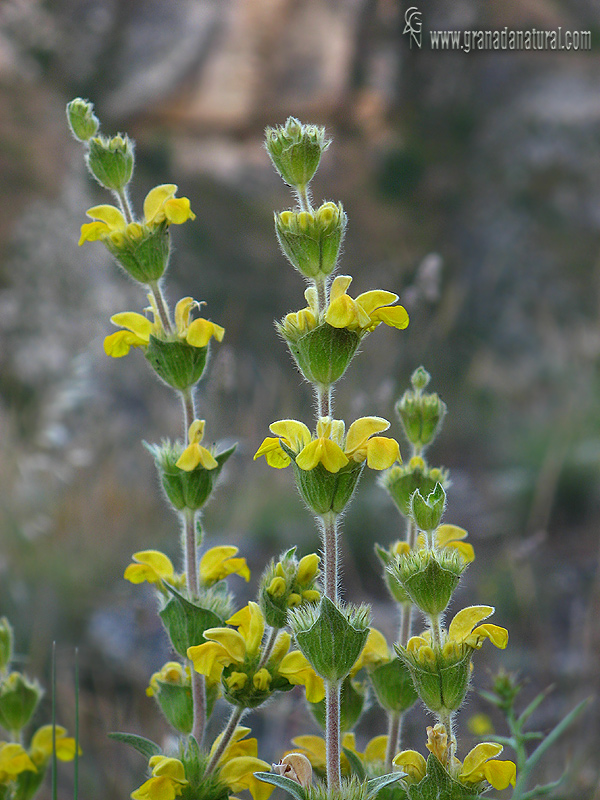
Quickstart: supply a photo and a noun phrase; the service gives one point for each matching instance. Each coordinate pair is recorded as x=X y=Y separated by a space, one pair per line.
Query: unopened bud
x=296 y=150
x=81 y=118
x=110 y=160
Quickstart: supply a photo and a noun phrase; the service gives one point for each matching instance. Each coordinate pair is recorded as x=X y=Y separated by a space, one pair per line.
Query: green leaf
x=289 y=786
x=146 y=747
x=186 y=622
x=375 y=784
x=356 y=764
x=438 y=785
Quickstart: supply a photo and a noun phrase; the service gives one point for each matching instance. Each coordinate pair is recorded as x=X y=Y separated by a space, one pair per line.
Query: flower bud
x=312 y=241
x=428 y=512
x=421 y=415
x=402 y=481
x=330 y=637
x=110 y=160
x=288 y=584
x=81 y=118
x=19 y=698
x=296 y=150
x=6 y=644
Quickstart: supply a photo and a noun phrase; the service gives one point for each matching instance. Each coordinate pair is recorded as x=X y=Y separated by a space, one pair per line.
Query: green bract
x=324 y=353
x=331 y=638
x=429 y=578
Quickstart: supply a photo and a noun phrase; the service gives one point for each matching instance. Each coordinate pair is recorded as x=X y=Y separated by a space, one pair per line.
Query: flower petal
x=477 y=757
x=110 y=215
x=155 y=200
x=382 y=452
x=251 y=625
x=464 y=622
x=361 y=429
x=295 y=434
x=119 y=343
x=134 y=322
x=272 y=451
x=376 y=298
x=394 y=316
x=498 y=636
x=500 y=773
x=297 y=670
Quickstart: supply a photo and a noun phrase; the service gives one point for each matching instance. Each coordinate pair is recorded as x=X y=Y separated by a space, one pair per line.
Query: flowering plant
x=299 y=631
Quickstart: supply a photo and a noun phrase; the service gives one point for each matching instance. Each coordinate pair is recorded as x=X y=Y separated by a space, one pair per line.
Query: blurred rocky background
x=472 y=184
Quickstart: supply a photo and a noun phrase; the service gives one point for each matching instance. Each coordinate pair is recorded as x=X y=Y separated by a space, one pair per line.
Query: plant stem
x=303 y=198
x=268 y=648
x=330 y=555
x=436 y=634
x=321 y=287
x=161 y=305
x=323 y=400
x=189 y=411
x=446 y=720
x=405 y=623
x=394 y=727
x=124 y=204
x=332 y=734
x=190 y=551
x=234 y=720
x=198 y=704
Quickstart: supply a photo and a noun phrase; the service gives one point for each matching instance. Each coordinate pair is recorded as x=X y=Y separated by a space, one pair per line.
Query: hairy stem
x=189 y=411
x=198 y=704
x=124 y=204
x=323 y=400
x=268 y=648
x=332 y=734
x=303 y=198
x=190 y=547
x=330 y=555
x=394 y=728
x=405 y=623
x=234 y=720
x=161 y=305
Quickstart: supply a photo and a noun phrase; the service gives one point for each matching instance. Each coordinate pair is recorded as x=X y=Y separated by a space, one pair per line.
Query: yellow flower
x=194 y=454
x=138 y=329
x=364 y=313
x=226 y=646
x=412 y=763
x=167 y=781
x=40 y=748
x=239 y=762
x=313 y=747
x=465 y=628
x=160 y=206
x=374 y=652
x=171 y=672
x=13 y=761
x=480 y=764
x=330 y=446
x=451 y=536
x=196 y=332
x=296 y=669
x=152 y=566
x=219 y=562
